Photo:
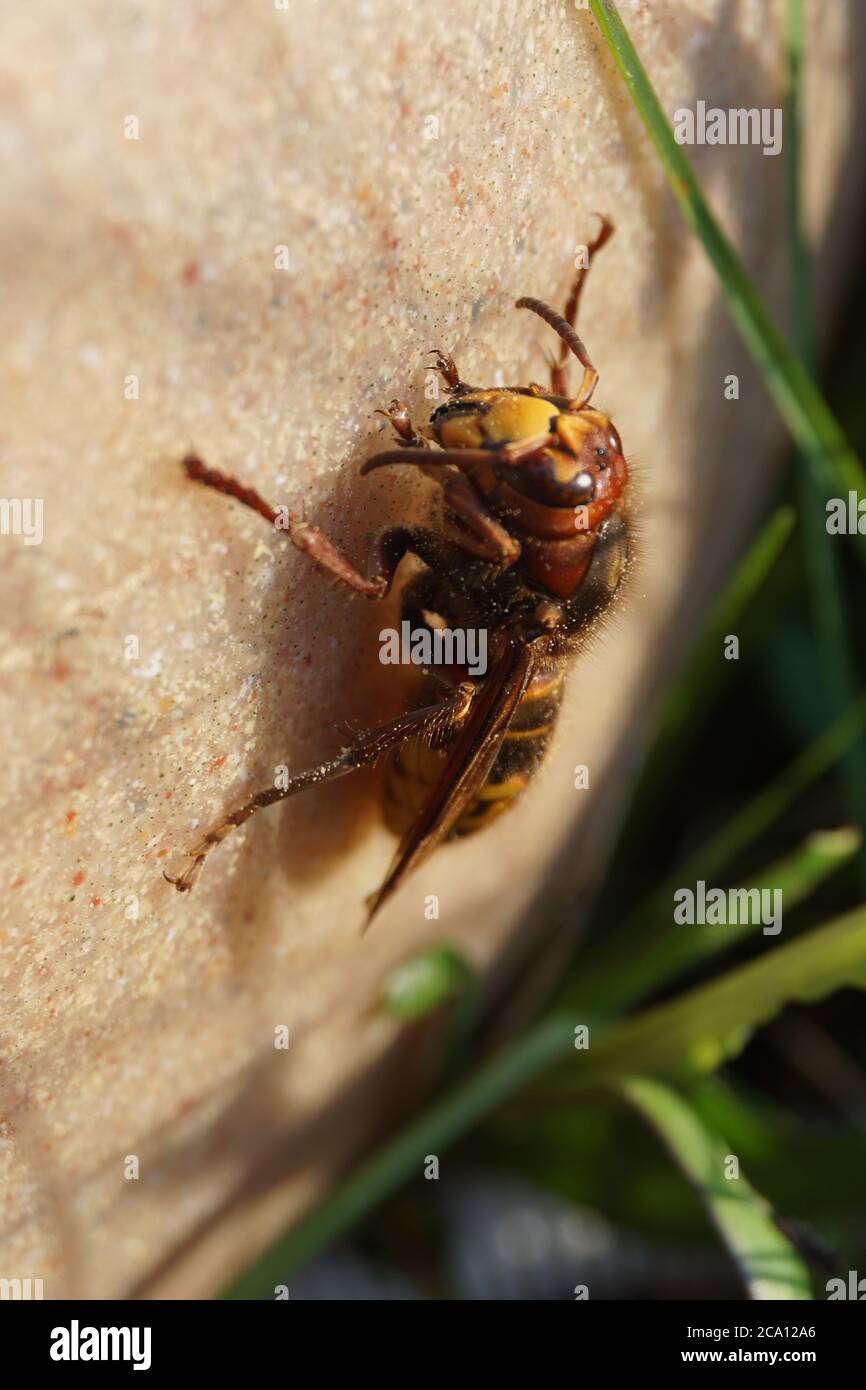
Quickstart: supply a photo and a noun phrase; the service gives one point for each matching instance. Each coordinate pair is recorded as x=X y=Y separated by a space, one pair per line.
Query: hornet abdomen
x=413 y=768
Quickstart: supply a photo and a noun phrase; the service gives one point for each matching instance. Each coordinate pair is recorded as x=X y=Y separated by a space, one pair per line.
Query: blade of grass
x=800 y=403
x=600 y=966
x=769 y=1265
x=710 y=1025
x=685 y=708
x=766 y=1135
x=821 y=557
x=575 y=1151
x=667 y=950
x=801 y=276
x=681 y=712
x=697 y=1032
x=445 y=1121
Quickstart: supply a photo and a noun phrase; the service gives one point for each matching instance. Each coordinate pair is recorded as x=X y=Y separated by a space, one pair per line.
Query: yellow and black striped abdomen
x=413 y=768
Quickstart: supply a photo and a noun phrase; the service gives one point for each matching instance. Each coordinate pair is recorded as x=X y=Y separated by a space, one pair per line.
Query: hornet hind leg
x=365 y=749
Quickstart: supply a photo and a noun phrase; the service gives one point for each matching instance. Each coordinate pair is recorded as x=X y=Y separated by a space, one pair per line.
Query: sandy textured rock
x=422 y=165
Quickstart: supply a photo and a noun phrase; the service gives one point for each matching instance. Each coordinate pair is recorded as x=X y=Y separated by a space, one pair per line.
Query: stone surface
x=423 y=165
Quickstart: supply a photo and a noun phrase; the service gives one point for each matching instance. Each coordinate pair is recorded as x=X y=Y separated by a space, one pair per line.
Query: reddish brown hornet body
x=533 y=545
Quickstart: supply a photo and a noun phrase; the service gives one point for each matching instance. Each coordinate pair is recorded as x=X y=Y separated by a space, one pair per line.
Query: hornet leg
x=387 y=547
x=364 y=749
x=557 y=369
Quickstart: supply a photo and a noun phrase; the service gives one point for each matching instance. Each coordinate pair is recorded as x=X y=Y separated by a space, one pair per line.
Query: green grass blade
x=600 y=965
x=801 y=276
x=712 y=1024
x=700 y=1031
x=822 y=559
x=800 y=403
x=446 y=1120
x=668 y=950
x=768 y=1263
x=686 y=706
